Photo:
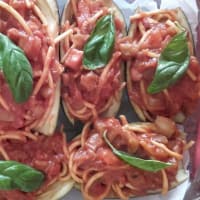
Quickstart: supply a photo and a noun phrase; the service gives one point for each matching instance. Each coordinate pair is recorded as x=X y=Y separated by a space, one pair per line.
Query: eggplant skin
x=181 y=18
x=67 y=15
x=181 y=175
x=57 y=190
x=49 y=8
x=60 y=188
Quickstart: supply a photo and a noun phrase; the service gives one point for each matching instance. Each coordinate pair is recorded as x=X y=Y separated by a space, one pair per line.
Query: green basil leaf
x=6 y=182
x=16 y=69
x=172 y=64
x=14 y=175
x=99 y=47
x=1 y=63
x=147 y=165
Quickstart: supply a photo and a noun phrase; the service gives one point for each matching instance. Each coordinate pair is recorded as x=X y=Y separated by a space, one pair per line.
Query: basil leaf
x=16 y=69
x=147 y=165
x=6 y=182
x=172 y=64
x=99 y=47
x=14 y=175
x=1 y=63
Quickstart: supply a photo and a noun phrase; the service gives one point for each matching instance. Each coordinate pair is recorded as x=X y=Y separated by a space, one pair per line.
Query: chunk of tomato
x=74 y=59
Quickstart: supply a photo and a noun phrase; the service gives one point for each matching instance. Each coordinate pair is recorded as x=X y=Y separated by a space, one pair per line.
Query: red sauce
x=184 y=94
x=35 y=47
x=94 y=156
x=81 y=85
x=46 y=154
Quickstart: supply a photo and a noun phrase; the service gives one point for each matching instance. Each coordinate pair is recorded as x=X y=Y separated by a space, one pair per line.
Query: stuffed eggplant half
x=163 y=75
x=33 y=166
x=92 y=82
x=29 y=67
x=112 y=158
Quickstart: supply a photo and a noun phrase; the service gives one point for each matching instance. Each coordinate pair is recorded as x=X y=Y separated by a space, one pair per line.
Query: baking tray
x=127 y=7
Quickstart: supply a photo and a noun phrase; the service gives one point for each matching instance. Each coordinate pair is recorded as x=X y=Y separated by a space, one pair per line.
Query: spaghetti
x=149 y=33
x=101 y=174
x=47 y=154
x=87 y=94
x=23 y=22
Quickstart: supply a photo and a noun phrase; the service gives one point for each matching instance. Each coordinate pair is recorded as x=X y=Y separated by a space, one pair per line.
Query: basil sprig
x=14 y=175
x=147 y=165
x=99 y=47
x=172 y=64
x=16 y=69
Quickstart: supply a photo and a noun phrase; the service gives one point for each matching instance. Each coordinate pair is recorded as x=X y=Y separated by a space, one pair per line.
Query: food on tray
x=163 y=75
x=112 y=158
x=30 y=70
x=33 y=166
x=93 y=78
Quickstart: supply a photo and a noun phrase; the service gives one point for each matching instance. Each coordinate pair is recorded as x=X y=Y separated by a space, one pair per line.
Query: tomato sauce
x=94 y=157
x=45 y=154
x=183 y=95
x=80 y=85
x=35 y=46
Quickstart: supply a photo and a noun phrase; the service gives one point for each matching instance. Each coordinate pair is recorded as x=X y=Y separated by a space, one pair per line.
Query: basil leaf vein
x=16 y=69
x=147 y=165
x=99 y=47
x=14 y=175
x=172 y=64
